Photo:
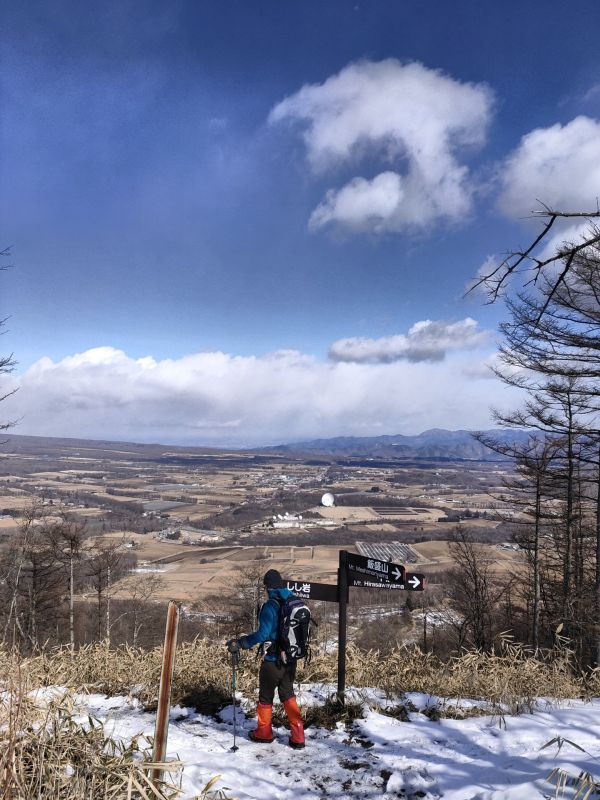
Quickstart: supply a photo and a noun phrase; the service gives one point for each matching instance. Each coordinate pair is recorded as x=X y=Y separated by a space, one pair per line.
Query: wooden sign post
x=361 y=572
x=342 y=625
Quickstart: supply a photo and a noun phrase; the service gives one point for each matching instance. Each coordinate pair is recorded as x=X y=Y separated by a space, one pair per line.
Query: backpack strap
x=270 y=648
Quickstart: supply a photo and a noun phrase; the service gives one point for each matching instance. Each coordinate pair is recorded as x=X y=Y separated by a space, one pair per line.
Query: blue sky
x=199 y=259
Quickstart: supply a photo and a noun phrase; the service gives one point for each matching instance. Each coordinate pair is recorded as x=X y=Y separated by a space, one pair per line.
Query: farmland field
x=202 y=520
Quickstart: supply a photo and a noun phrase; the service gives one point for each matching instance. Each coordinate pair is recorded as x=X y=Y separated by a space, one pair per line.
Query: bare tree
x=105 y=566
x=551 y=350
x=532 y=261
x=530 y=489
x=140 y=589
x=7 y=363
x=534 y=467
x=13 y=564
x=67 y=536
x=473 y=589
x=249 y=594
x=33 y=583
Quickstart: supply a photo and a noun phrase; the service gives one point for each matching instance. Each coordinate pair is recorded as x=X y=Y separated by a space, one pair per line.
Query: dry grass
x=48 y=751
x=512 y=677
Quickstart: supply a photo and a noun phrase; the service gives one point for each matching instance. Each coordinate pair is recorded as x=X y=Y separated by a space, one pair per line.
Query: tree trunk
x=71 y=606
x=567 y=564
x=535 y=629
x=597 y=577
x=108 y=604
x=99 y=595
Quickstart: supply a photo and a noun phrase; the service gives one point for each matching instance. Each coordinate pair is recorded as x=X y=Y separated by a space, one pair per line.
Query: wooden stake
x=164 y=692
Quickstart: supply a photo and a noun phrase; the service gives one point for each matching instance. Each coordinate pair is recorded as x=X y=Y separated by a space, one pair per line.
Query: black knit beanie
x=273 y=579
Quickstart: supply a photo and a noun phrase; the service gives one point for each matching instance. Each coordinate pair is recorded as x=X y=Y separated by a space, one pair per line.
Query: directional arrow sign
x=414 y=582
x=372 y=569
x=367 y=573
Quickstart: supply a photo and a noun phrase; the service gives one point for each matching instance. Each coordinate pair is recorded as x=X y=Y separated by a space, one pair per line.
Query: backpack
x=294 y=631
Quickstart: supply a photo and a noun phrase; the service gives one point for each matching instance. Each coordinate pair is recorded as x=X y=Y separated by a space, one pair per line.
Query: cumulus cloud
x=361 y=205
x=217 y=398
x=484 y=370
x=559 y=166
x=427 y=340
x=404 y=114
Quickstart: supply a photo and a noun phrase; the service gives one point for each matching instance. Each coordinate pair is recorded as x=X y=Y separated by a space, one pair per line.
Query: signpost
x=361 y=572
x=375 y=570
x=310 y=590
x=342 y=624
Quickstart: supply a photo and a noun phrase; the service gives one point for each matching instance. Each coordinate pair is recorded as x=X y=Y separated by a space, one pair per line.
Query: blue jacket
x=268 y=622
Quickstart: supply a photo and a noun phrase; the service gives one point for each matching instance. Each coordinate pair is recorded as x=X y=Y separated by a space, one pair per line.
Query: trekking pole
x=234 y=649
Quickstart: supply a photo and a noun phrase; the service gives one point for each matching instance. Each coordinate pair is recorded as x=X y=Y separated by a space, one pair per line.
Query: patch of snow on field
x=144 y=570
x=378 y=756
x=440 y=618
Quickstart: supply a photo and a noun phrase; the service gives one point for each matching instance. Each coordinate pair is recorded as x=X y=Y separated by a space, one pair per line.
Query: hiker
x=274 y=672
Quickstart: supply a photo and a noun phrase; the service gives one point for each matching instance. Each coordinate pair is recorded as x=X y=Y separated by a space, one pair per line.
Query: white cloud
x=218 y=398
x=361 y=205
x=559 y=166
x=426 y=340
x=484 y=370
x=406 y=115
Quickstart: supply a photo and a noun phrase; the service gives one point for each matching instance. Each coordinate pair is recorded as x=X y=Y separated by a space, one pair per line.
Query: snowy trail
x=480 y=758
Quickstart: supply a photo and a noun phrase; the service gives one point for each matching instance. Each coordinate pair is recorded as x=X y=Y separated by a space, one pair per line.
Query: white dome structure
x=328 y=500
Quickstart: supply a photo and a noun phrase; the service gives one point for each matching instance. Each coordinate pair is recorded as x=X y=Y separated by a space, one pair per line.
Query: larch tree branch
x=525 y=260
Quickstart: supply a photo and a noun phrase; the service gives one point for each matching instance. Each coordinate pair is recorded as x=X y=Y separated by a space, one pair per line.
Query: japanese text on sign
x=378 y=566
x=298 y=587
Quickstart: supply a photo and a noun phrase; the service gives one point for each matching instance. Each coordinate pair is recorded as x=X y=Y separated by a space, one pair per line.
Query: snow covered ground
x=378 y=756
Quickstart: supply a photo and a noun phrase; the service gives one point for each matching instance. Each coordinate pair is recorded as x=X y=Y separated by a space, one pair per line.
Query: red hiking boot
x=263 y=733
x=296 y=727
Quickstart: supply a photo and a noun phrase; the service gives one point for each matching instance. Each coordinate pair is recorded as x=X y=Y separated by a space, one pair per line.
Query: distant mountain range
x=434 y=443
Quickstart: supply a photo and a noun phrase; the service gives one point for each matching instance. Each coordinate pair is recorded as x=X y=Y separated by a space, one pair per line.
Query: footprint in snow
x=412 y=783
